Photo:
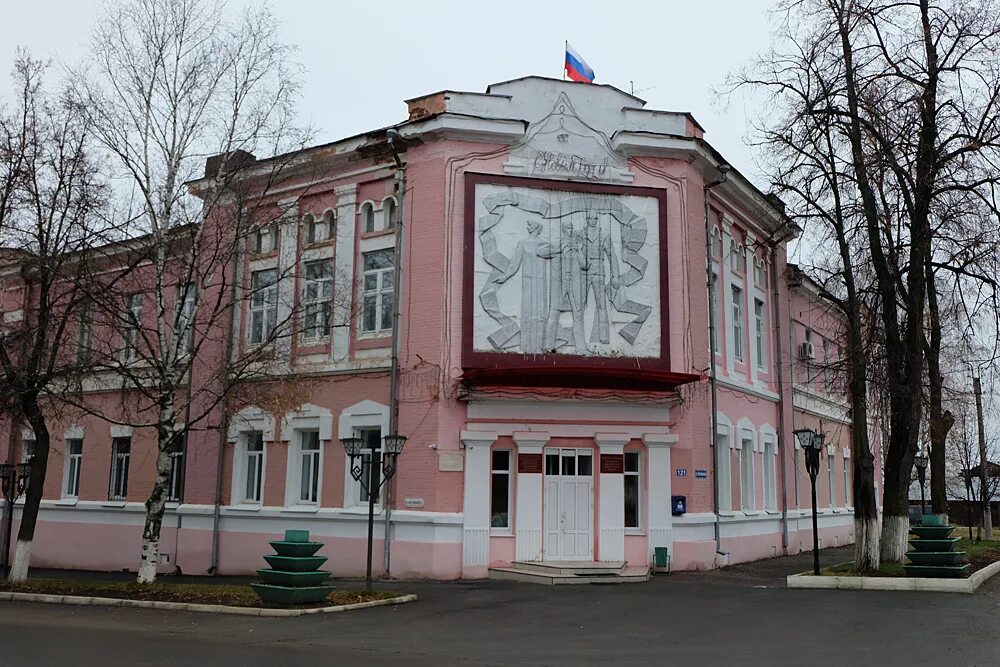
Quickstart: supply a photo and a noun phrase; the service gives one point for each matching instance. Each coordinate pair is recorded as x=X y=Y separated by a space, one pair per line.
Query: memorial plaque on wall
x=530 y=463
x=612 y=463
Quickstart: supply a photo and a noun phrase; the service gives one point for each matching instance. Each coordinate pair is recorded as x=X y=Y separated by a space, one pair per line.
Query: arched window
x=389 y=212
x=367 y=218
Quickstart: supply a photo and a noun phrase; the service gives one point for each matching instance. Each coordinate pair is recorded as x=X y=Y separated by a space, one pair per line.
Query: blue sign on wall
x=700 y=473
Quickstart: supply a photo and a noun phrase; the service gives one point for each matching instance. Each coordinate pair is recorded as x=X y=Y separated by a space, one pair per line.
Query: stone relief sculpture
x=561 y=273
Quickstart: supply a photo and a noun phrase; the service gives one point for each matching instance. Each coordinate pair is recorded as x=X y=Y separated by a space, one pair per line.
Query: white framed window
x=121 y=452
x=130 y=332
x=737 y=307
x=748 y=491
x=368 y=218
x=501 y=461
x=389 y=212
x=633 y=490
x=759 y=347
x=186 y=294
x=759 y=273
x=175 y=485
x=266 y=239
x=830 y=480
x=770 y=474
x=319 y=231
x=74 y=459
x=317 y=296
x=716 y=311
x=723 y=461
x=263 y=305
x=848 y=488
x=377 y=297
x=736 y=258
x=252 y=491
x=85 y=332
x=371 y=464
x=309 y=467
x=827 y=367
x=28 y=446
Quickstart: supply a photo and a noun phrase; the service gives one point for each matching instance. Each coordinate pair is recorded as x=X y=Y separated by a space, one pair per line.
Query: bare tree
x=171 y=83
x=51 y=197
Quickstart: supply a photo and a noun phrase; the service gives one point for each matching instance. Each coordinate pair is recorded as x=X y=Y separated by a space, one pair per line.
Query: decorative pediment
x=562 y=145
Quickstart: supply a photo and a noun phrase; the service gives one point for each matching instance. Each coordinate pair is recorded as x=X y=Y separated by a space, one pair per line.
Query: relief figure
x=599 y=246
x=534 y=292
x=567 y=291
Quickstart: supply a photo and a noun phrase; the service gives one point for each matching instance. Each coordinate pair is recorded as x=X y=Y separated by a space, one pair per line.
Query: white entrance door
x=569 y=504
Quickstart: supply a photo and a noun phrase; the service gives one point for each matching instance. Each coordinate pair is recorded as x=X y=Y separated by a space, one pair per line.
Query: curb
x=204 y=608
x=919 y=584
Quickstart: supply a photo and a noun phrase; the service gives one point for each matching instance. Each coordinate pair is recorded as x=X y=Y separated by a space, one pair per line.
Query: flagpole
x=565 y=51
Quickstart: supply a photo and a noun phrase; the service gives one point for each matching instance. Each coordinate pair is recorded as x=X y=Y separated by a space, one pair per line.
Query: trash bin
x=661 y=558
x=678 y=505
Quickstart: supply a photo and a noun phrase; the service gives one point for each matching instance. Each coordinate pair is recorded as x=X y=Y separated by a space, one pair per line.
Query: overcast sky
x=363 y=58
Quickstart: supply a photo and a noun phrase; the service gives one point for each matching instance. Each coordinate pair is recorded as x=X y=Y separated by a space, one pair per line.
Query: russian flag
x=576 y=68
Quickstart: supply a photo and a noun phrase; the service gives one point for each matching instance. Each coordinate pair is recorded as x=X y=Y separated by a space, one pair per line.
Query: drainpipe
x=723 y=173
x=782 y=440
x=224 y=427
x=394 y=141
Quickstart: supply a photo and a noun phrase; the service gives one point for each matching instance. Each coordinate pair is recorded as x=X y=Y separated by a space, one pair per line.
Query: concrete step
x=569 y=567
x=628 y=575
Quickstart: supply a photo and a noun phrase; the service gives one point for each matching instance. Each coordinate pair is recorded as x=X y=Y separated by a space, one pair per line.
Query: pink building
x=555 y=353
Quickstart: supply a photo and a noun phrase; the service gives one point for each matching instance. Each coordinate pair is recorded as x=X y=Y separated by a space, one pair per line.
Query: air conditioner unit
x=807 y=351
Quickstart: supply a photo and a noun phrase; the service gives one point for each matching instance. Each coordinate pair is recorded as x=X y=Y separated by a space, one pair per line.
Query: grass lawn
x=232 y=595
x=847 y=570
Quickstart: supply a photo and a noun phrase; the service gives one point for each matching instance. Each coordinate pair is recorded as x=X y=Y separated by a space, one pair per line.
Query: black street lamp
x=920 y=460
x=392 y=447
x=811 y=443
x=13 y=481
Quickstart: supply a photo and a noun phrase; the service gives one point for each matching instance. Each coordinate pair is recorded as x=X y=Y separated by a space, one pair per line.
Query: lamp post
x=920 y=460
x=811 y=443
x=392 y=447
x=13 y=480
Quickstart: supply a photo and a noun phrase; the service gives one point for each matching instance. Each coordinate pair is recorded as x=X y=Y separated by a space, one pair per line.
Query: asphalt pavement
x=742 y=615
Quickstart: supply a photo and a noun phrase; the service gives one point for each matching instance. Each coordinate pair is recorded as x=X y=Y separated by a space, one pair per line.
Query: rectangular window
x=175 y=486
x=85 y=333
x=829 y=479
x=28 y=450
x=632 y=494
x=266 y=239
x=827 y=367
x=723 y=471
x=309 y=453
x=758 y=317
x=770 y=476
x=377 y=301
x=263 y=305
x=130 y=332
x=748 y=500
x=121 y=450
x=759 y=273
x=848 y=489
x=253 y=468
x=500 y=488
x=74 y=457
x=716 y=311
x=185 y=316
x=317 y=296
x=737 y=296
x=371 y=464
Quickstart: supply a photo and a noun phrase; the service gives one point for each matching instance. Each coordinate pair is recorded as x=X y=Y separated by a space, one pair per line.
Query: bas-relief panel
x=560 y=272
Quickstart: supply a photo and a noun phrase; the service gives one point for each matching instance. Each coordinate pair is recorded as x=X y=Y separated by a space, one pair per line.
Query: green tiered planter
x=933 y=551
x=294 y=576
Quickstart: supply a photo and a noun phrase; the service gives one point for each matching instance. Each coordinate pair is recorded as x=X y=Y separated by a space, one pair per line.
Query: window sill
x=501 y=532
x=635 y=532
x=752 y=513
x=300 y=509
x=374 y=335
x=378 y=233
x=773 y=512
x=729 y=513
x=360 y=509
x=114 y=503
x=67 y=502
x=245 y=507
